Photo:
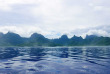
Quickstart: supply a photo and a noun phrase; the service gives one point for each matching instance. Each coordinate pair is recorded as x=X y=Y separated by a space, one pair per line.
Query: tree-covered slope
x=12 y=39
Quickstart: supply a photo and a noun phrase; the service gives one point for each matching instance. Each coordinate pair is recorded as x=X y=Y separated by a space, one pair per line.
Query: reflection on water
x=57 y=60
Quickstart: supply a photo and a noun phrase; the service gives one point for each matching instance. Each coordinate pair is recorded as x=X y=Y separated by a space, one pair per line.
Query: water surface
x=55 y=60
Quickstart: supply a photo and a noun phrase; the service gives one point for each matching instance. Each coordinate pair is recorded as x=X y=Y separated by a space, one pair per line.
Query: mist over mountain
x=12 y=39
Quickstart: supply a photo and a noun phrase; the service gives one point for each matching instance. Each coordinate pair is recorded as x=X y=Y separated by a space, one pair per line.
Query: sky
x=53 y=18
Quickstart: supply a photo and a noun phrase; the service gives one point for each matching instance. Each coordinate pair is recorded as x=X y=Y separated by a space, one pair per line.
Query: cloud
x=53 y=18
x=24 y=31
x=98 y=33
x=27 y=31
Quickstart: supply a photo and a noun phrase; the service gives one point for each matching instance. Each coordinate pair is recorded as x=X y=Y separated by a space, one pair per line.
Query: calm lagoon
x=54 y=60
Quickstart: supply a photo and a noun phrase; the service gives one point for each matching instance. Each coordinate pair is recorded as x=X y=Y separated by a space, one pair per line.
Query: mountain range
x=12 y=39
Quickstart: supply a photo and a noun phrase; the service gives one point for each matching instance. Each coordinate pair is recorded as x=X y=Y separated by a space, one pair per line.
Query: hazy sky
x=52 y=18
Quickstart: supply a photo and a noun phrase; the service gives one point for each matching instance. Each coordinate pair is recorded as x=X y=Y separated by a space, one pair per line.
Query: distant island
x=12 y=39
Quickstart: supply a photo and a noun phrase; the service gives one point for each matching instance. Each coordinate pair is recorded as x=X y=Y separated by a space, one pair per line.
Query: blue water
x=55 y=60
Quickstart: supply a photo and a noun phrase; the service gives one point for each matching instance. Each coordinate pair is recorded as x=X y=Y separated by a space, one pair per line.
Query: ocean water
x=55 y=60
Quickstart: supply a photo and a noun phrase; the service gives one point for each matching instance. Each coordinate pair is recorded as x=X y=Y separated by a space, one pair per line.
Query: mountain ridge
x=13 y=39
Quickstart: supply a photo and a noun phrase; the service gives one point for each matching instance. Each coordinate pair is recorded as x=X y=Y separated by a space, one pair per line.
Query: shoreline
x=49 y=46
